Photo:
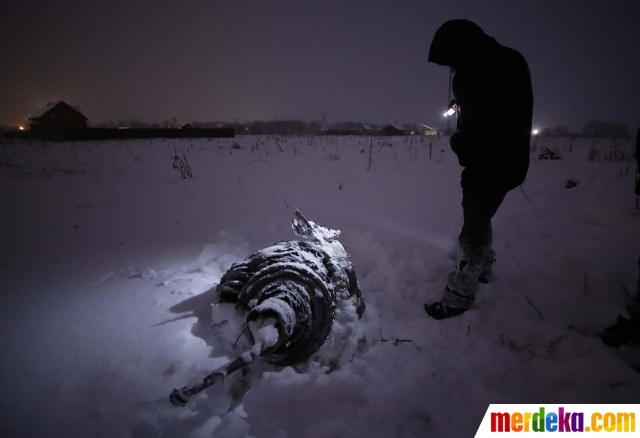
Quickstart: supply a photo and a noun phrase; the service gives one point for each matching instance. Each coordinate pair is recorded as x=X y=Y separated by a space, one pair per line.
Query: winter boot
x=459 y=295
x=439 y=310
x=489 y=260
x=462 y=284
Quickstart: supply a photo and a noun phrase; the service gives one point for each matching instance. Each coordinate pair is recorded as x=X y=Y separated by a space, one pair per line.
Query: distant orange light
x=21 y=128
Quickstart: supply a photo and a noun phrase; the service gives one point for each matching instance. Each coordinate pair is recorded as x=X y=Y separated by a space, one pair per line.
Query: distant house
x=393 y=130
x=187 y=126
x=430 y=130
x=57 y=115
x=366 y=127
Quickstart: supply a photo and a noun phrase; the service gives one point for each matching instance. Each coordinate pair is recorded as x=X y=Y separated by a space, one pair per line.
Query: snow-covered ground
x=109 y=259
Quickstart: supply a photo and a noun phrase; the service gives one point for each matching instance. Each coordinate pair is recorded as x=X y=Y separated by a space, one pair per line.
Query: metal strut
x=180 y=397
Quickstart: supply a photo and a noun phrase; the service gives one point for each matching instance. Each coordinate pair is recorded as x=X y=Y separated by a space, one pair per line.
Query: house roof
x=398 y=127
x=366 y=127
x=48 y=107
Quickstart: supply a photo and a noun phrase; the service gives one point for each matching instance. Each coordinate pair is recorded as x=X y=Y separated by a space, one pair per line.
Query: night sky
x=351 y=60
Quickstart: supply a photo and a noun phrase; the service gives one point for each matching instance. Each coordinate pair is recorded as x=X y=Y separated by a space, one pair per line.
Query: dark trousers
x=638 y=286
x=476 y=254
x=478 y=210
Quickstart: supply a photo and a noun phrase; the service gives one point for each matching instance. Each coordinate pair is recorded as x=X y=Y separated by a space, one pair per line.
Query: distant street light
x=21 y=128
x=535 y=132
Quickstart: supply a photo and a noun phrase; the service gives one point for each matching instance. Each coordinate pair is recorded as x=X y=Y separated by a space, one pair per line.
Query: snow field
x=110 y=259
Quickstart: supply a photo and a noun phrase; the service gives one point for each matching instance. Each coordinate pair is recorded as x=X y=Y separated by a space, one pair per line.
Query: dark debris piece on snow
x=625 y=331
x=548 y=154
x=295 y=283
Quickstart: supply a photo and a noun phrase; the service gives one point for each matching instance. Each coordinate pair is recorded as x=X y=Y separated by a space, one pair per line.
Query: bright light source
x=535 y=132
x=451 y=109
x=21 y=128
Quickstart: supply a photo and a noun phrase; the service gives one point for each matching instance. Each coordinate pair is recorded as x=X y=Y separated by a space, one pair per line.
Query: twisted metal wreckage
x=286 y=295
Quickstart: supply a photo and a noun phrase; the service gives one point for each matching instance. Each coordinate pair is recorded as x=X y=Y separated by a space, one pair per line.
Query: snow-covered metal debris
x=284 y=300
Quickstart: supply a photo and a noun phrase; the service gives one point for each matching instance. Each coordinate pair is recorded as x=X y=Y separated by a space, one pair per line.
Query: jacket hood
x=457 y=43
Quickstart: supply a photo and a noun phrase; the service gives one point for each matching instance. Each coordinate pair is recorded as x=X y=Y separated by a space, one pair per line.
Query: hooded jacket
x=638 y=173
x=638 y=147
x=492 y=87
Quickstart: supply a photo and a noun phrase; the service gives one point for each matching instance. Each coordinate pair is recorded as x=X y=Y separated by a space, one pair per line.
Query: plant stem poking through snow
x=525 y=195
x=532 y=305
x=257 y=160
x=189 y=193
x=182 y=165
x=398 y=341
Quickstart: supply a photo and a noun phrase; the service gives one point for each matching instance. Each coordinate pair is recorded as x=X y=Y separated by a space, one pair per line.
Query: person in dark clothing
x=638 y=147
x=638 y=168
x=494 y=97
x=627 y=330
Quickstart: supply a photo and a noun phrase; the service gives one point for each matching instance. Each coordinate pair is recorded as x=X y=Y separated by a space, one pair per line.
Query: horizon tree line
x=594 y=128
